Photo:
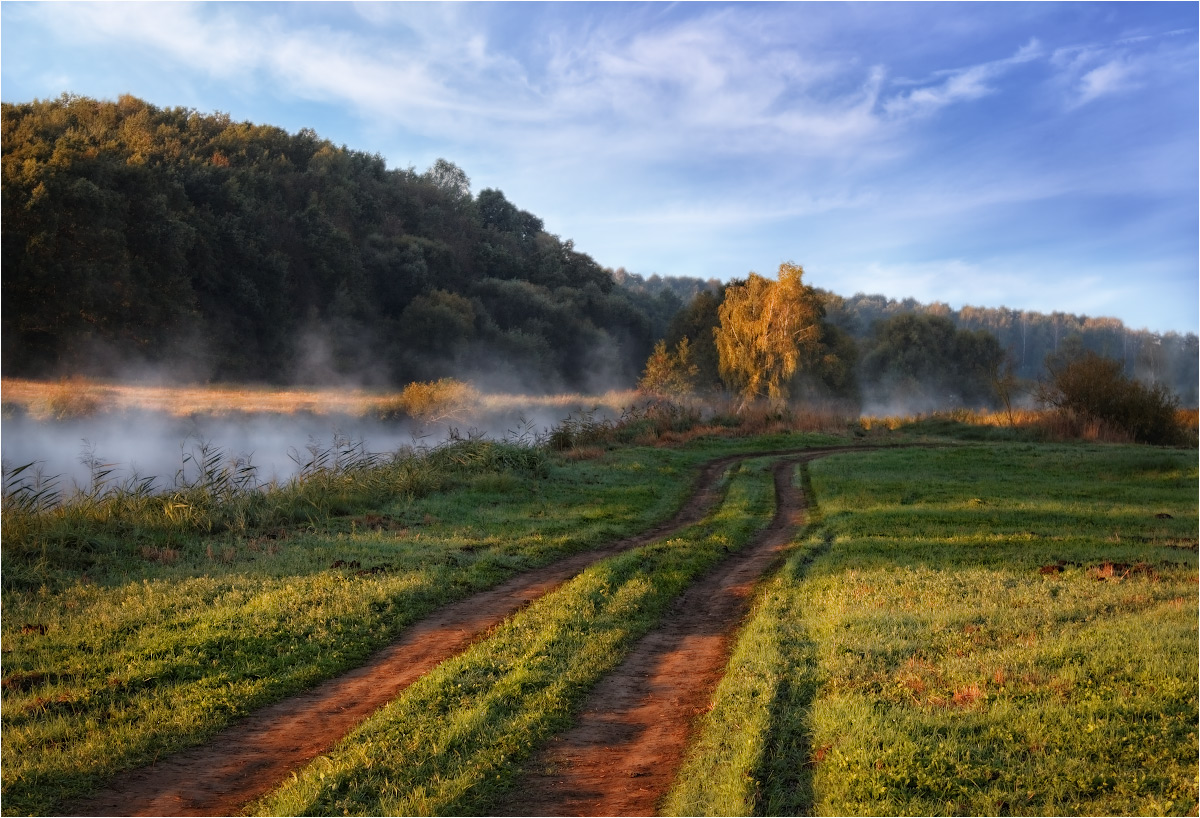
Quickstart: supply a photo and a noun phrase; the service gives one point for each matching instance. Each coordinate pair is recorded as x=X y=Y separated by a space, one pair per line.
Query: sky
x=1037 y=156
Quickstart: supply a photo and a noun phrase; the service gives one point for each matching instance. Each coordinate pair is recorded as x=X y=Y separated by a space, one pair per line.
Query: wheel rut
x=252 y=756
x=623 y=754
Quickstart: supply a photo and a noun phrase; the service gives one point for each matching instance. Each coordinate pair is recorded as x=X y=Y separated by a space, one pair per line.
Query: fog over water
x=146 y=444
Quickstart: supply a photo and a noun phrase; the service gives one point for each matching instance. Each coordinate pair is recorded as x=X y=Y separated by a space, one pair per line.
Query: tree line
x=775 y=339
x=224 y=250
x=1030 y=338
x=877 y=351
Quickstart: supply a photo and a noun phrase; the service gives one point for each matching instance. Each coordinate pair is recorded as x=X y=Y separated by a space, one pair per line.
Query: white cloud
x=958 y=85
x=219 y=46
x=1110 y=78
x=710 y=83
x=1092 y=71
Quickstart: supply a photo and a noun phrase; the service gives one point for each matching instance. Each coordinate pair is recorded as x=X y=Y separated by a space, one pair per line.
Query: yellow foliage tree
x=768 y=330
x=670 y=374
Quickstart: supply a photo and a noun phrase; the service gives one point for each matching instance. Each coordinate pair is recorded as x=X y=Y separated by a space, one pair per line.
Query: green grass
x=950 y=635
x=953 y=638
x=143 y=657
x=456 y=739
x=146 y=642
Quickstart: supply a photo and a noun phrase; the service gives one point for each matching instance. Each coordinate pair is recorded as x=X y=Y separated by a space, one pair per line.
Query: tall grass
x=81 y=397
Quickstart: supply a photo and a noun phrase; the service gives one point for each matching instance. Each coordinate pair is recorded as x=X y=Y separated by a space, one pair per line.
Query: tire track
x=252 y=756
x=628 y=745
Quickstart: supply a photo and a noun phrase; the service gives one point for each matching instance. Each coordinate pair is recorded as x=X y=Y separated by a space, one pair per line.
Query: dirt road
x=623 y=755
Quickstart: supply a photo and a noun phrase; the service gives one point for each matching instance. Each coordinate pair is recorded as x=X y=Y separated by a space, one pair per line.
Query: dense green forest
x=241 y=252
x=219 y=250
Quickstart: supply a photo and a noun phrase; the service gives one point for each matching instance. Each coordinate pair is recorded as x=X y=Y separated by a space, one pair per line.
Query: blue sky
x=1037 y=156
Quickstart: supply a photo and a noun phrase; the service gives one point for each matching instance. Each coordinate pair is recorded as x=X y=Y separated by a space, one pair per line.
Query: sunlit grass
x=983 y=630
x=127 y=640
x=147 y=653
x=123 y=644
x=457 y=738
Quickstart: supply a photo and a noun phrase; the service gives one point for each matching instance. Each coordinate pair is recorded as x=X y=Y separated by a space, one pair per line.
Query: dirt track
x=622 y=756
x=665 y=681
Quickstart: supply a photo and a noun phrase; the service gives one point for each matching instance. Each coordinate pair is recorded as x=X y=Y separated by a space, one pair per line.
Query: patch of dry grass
x=76 y=397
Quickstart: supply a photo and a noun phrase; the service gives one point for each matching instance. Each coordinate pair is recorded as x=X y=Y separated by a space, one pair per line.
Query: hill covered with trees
x=242 y=252
x=137 y=236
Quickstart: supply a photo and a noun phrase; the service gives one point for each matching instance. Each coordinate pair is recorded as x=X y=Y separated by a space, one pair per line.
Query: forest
x=142 y=239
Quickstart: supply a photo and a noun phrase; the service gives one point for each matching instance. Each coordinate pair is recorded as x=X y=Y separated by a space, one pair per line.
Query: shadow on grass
x=786 y=773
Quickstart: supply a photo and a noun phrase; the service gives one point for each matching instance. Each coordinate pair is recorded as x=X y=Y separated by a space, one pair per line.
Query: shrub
x=1091 y=392
x=433 y=401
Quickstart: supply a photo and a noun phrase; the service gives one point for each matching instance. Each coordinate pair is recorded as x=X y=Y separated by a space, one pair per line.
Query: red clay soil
x=253 y=756
x=624 y=753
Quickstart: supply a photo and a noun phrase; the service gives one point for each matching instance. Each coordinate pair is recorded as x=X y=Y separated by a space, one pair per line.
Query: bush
x=1090 y=391
x=433 y=401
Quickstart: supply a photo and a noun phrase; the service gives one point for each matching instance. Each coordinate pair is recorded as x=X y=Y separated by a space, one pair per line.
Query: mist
x=135 y=444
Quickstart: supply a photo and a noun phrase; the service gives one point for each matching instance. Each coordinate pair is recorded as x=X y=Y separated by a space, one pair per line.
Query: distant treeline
x=233 y=251
x=1030 y=337
x=216 y=250
x=920 y=354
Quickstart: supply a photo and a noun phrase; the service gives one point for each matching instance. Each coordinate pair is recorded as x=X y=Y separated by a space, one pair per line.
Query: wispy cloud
x=709 y=82
x=958 y=85
x=1110 y=78
x=1092 y=71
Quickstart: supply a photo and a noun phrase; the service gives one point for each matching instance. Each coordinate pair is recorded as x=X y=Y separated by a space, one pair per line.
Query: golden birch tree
x=768 y=330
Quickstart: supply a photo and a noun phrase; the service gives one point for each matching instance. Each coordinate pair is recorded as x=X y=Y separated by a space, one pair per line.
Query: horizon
x=1037 y=157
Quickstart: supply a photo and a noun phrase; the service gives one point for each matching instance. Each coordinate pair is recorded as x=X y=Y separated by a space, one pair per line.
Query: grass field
x=977 y=630
x=995 y=627
x=458 y=737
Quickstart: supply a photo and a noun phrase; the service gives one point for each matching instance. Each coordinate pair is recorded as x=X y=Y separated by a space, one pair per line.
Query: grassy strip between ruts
x=457 y=738
x=983 y=630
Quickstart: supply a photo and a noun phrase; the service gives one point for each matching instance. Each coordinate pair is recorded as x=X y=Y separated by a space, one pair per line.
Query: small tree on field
x=1089 y=387
x=768 y=330
x=670 y=373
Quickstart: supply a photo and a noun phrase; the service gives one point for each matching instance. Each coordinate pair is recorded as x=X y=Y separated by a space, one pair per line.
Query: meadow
x=1001 y=629
x=1000 y=625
